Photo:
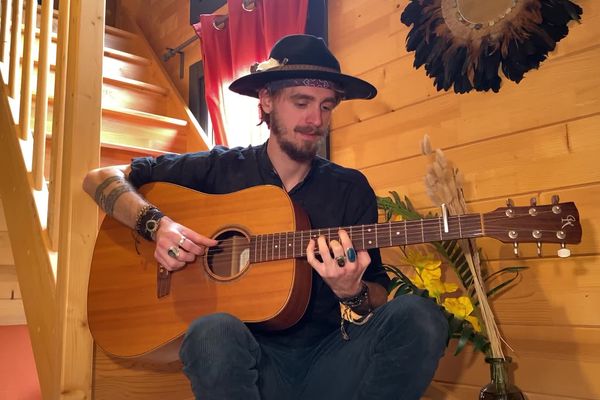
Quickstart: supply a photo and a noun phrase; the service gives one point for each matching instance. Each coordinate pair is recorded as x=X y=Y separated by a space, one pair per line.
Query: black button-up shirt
x=331 y=195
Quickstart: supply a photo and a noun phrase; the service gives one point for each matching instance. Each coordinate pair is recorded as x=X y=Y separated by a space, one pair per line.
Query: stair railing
x=52 y=223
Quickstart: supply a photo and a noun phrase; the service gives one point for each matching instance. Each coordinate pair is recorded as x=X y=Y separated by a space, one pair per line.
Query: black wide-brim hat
x=302 y=57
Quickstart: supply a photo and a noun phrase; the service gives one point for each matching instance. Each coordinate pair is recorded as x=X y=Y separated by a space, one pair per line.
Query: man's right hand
x=185 y=244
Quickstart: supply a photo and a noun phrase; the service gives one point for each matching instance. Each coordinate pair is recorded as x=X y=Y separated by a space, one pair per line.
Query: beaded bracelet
x=148 y=222
x=357 y=300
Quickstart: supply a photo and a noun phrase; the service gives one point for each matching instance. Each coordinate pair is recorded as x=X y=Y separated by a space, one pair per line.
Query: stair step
x=133 y=128
x=118 y=154
x=125 y=56
x=130 y=114
x=135 y=84
x=114 y=38
x=141 y=115
x=119 y=32
x=108 y=51
x=110 y=154
x=117 y=92
x=117 y=130
x=117 y=79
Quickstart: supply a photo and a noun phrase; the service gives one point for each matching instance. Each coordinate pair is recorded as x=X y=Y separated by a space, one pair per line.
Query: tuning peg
x=516 y=249
x=539 y=249
x=510 y=203
x=533 y=202
x=563 y=252
x=555 y=199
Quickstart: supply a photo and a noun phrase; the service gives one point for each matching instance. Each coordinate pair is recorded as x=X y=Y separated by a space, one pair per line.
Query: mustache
x=310 y=130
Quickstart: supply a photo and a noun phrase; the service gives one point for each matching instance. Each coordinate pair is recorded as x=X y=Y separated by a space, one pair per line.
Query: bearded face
x=301 y=151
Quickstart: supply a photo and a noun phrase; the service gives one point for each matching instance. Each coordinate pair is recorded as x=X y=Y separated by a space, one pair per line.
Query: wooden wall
x=534 y=139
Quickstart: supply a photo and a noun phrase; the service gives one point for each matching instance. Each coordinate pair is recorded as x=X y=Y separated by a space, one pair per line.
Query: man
x=378 y=350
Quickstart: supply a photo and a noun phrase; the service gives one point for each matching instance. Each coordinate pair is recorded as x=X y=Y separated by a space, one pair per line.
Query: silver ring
x=182 y=240
x=341 y=261
x=173 y=251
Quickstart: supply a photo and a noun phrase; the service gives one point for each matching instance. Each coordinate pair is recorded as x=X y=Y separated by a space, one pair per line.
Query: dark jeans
x=392 y=356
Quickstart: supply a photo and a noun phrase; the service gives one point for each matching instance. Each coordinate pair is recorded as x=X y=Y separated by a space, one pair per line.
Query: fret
x=363 y=236
x=440 y=224
x=459 y=227
x=422 y=232
x=260 y=258
x=294 y=244
x=405 y=232
x=390 y=231
x=376 y=236
x=279 y=247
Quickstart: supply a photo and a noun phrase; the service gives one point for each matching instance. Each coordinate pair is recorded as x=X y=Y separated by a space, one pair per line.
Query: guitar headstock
x=553 y=223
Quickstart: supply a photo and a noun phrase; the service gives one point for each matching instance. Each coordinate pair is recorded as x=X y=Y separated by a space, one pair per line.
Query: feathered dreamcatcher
x=465 y=43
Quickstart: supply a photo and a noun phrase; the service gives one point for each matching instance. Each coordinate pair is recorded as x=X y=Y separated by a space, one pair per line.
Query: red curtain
x=228 y=53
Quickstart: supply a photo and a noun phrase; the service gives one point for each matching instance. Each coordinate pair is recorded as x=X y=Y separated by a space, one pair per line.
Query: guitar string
x=300 y=247
x=428 y=227
x=382 y=230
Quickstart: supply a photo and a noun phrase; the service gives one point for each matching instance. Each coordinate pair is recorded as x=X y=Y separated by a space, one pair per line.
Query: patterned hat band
x=320 y=83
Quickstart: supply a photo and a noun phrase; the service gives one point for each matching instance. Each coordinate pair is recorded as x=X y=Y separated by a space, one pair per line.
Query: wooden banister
x=15 y=47
x=27 y=69
x=4 y=29
x=78 y=213
x=58 y=124
x=41 y=99
x=52 y=265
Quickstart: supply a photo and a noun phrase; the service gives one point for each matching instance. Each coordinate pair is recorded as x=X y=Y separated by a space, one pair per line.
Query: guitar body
x=126 y=315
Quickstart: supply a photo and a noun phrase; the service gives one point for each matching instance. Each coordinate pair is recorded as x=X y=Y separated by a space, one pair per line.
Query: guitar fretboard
x=284 y=245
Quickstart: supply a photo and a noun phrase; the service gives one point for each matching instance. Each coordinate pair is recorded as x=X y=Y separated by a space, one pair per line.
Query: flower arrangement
x=470 y=317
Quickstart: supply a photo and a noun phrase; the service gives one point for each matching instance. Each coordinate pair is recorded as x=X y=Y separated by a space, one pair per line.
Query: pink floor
x=18 y=377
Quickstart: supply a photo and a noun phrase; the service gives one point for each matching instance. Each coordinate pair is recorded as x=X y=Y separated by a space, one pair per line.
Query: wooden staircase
x=107 y=113
x=142 y=112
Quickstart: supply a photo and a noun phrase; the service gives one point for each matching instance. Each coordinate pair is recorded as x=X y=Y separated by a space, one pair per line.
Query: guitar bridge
x=163 y=282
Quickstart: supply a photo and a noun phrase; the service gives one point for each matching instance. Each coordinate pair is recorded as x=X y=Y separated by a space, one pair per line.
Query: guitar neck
x=284 y=245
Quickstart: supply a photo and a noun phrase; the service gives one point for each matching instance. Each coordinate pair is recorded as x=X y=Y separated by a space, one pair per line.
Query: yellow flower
x=430 y=280
x=428 y=274
x=422 y=261
x=462 y=308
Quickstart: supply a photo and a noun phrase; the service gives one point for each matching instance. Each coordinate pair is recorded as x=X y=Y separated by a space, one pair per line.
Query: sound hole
x=231 y=256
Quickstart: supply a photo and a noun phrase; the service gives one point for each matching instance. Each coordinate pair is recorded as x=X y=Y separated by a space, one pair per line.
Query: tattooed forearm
x=107 y=202
x=99 y=194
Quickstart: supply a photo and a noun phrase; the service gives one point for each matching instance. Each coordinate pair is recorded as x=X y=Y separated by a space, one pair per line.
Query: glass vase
x=500 y=387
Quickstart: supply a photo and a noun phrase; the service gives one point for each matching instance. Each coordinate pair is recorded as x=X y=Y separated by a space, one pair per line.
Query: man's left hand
x=338 y=270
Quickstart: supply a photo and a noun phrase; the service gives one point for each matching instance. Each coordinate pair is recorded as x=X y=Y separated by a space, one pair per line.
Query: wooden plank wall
x=534 y=139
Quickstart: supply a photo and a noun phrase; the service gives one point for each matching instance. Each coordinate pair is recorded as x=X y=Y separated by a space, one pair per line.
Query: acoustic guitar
x=258 y=271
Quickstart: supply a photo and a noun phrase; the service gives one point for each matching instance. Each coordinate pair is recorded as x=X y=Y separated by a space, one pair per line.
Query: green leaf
x=467 y=331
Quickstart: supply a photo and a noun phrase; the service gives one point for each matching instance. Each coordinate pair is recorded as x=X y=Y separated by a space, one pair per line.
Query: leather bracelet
x=148 y=222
